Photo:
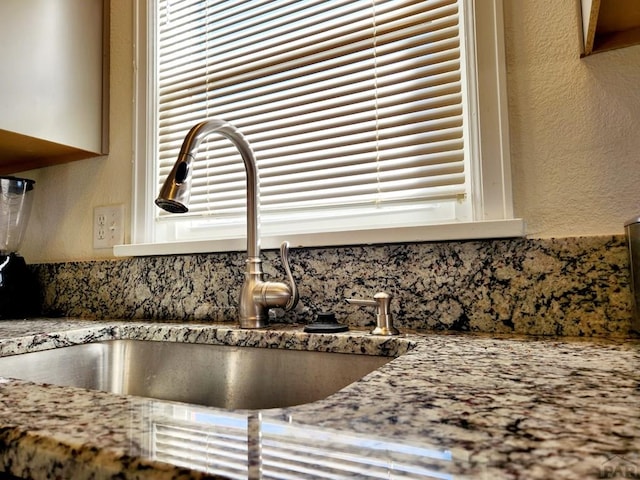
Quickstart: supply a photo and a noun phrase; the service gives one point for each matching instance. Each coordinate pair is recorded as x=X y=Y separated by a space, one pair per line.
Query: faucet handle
x=384 y=317
x=284 y=255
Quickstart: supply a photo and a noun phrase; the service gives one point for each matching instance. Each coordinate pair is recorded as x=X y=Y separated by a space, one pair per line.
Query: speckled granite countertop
x=452 y=406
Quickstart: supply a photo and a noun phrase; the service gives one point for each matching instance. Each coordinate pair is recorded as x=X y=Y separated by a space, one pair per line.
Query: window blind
x=221 y=443
x=293 y=451
x=221 y=451
x=215 y=444
x=347 y=104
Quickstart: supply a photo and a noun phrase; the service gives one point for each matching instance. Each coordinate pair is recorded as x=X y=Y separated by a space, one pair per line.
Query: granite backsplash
x=571 y=286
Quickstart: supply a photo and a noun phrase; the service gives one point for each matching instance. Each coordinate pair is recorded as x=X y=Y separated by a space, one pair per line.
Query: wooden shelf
x=610 y=24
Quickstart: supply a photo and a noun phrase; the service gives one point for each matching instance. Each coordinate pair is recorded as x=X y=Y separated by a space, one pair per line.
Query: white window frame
x=488 y=145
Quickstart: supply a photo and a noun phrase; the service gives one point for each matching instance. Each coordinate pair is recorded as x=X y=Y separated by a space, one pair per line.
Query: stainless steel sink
x=213 y=375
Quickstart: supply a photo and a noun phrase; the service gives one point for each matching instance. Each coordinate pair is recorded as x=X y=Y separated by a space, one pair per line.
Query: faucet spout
x=256 y=296
x=174 y=194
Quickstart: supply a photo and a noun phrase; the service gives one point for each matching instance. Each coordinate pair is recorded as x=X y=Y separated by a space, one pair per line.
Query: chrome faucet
x=256 y=296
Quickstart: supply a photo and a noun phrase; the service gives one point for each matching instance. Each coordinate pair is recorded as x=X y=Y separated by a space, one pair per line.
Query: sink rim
x=316 y=347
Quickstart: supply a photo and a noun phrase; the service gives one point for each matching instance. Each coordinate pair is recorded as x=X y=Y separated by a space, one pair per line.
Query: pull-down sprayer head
x=176 y=190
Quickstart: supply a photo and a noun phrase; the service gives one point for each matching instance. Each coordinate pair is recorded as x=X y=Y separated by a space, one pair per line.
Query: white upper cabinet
x=53 y=82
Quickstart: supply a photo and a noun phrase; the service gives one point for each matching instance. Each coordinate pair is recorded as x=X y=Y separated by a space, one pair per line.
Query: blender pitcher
x=18 y=288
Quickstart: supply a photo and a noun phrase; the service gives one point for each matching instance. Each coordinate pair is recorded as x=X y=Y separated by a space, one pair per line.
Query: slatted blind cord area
x=350 y=106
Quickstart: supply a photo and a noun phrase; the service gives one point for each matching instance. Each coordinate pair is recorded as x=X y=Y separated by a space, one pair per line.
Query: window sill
x=428 y=233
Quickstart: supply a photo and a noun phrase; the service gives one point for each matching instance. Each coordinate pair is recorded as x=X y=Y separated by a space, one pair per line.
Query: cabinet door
x=53 y=72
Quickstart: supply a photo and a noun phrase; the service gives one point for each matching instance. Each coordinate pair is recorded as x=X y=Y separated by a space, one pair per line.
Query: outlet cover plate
x=108 y=226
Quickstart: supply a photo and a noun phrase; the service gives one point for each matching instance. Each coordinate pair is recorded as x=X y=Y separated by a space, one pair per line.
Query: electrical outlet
x=108 y=226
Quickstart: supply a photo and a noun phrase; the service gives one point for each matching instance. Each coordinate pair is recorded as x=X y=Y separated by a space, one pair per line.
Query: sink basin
x=213 y=375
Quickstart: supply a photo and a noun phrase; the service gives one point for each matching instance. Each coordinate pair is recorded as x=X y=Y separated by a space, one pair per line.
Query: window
x=371 y=120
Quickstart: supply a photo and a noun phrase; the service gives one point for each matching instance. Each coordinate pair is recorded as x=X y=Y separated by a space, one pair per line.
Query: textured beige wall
x=575 y=138
x=575 y=124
